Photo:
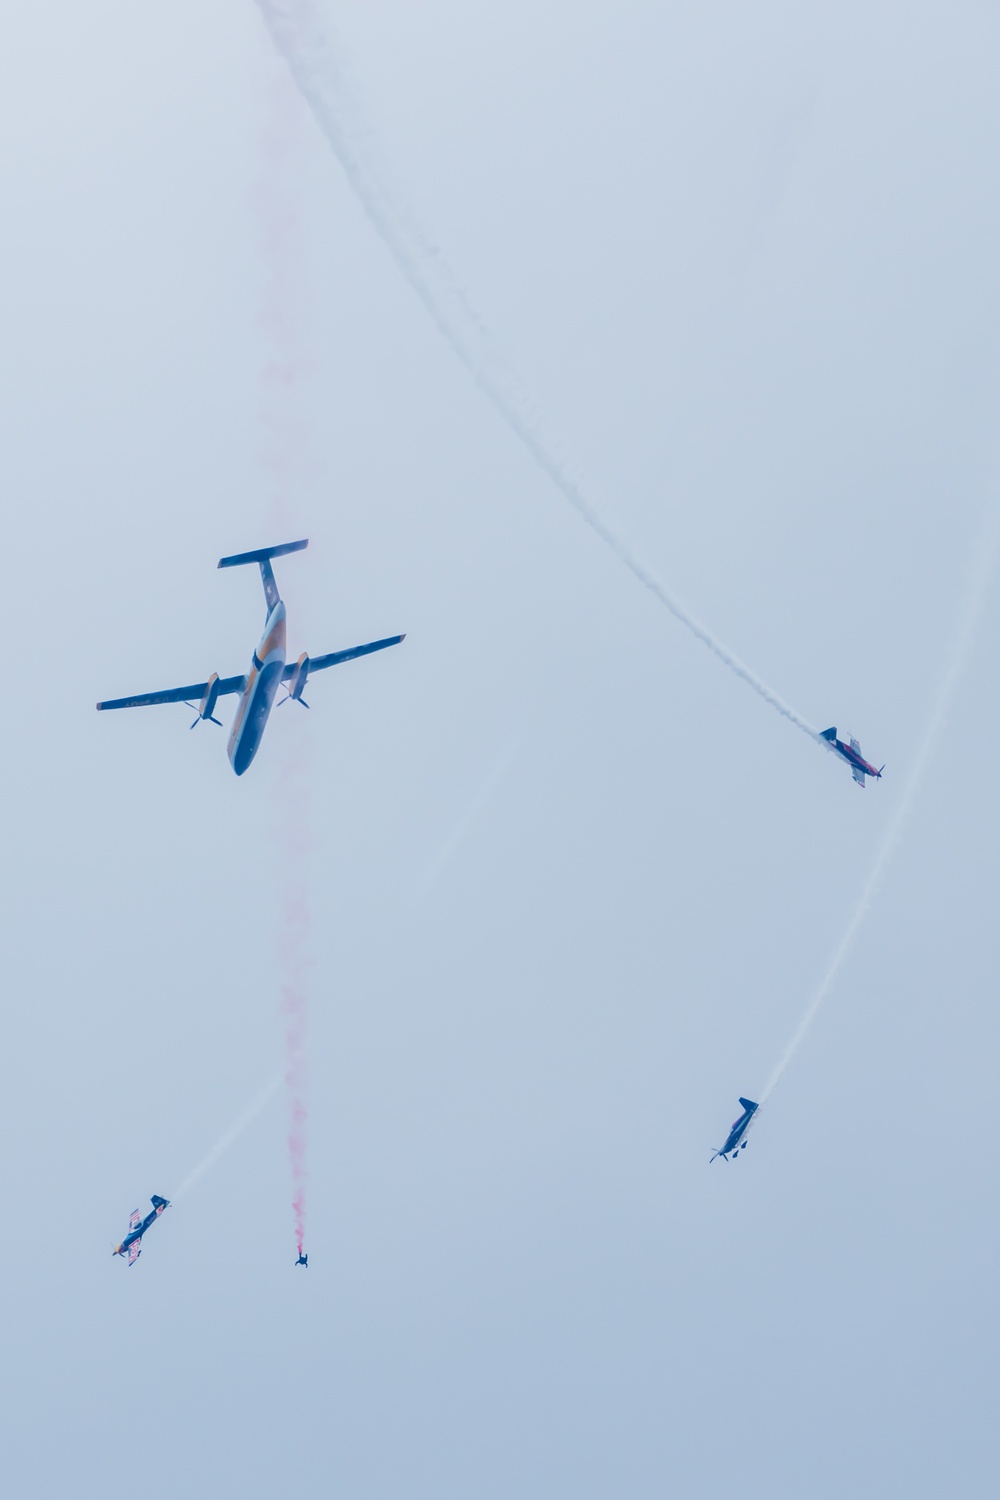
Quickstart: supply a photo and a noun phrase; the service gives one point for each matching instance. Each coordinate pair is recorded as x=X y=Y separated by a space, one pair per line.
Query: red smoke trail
x=294 y=1009
x=283 y=435
x=284 y=296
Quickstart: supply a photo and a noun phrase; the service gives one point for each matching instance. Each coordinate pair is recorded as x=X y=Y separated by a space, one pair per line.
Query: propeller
x=210 y=717
x=291 y=698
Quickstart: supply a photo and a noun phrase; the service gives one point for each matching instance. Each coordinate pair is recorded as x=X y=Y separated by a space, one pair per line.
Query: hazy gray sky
x=570 y=883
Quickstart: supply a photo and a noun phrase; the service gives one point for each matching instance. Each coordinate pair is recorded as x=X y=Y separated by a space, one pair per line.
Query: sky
x=556 y=885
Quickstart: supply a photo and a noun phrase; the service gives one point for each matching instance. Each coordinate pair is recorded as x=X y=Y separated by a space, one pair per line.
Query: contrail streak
x=473 y=812
x=300 y=37
x=222 y=1145
x=982 y=569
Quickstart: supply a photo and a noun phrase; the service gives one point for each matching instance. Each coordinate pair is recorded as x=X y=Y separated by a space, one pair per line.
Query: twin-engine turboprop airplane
x=268 y=672
x=735 y=1139
x=137 y=1227
x=851 y=752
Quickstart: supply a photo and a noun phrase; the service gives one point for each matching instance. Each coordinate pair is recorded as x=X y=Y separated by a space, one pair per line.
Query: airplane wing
x=855 y=746
x=317 y=663
x=195 y=690
x=134 y=1251
x=858 y=775
x=134 y=1218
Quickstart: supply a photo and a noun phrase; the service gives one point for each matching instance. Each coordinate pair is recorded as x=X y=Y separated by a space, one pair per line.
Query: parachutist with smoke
x=283 y=318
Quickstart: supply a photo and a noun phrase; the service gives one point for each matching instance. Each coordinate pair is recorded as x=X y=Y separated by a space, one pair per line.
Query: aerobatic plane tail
x=263 y=556
x=748 y=1104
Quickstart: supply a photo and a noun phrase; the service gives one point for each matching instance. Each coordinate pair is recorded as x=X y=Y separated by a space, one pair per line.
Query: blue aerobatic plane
x=137 y=1226
x=267 y=673
x=736 y=1139
x=850 y=751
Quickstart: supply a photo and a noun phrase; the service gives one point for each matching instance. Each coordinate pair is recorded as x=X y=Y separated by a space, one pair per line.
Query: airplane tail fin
x=263 y=556
x=748 y=1104
x=159 y=1202
x=824 y=734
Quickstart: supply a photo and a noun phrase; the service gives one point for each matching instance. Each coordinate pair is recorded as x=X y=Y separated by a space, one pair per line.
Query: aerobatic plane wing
x=334 y=658
x=859 y=776
x=134 y=1251
x=176 y=695
x=134 y=1218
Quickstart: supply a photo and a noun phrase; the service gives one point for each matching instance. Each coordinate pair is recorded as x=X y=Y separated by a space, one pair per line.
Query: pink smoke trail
x=283 y=435
x=295 y=1010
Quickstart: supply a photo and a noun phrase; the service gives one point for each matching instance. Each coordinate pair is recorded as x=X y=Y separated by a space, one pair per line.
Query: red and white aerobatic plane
x=850 y=751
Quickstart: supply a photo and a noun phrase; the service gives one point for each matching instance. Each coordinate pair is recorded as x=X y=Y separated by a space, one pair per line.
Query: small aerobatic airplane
x=137 y=1227
x=303 y=1260
x=851 y=752
x=735 y=1140
x=268 y=672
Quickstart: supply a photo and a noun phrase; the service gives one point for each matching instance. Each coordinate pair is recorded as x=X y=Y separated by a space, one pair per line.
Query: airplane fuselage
x=853 y=756
x=855 y=760
x=738 y=1129
x=159 y=1204
x=257 y=698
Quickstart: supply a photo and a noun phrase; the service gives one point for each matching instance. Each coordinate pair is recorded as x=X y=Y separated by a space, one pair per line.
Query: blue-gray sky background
x=745 y=260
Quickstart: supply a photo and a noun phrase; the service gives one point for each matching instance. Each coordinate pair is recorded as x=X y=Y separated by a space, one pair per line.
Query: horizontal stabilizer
x=262 y=554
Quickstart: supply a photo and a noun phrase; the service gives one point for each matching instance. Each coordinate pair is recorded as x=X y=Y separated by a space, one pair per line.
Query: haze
x=568 y=884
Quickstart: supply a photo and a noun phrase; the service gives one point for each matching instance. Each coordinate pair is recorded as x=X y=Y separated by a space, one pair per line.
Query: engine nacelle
x=206 y=709
x=298 y=679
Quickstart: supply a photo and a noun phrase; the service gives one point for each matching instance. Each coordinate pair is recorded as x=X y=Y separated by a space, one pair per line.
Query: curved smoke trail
x=320 y=77
x=983 y=567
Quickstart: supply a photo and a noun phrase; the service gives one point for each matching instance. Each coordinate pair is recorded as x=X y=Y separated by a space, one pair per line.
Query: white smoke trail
x=305 y=44
x=222 y=1145
x=982 y=568
x=484 y=795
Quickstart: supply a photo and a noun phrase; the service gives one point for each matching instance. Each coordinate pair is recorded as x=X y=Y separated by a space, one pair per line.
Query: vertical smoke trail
x=294 y=1009
x=297 y=33
x=985 y=561
x=283 y=443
